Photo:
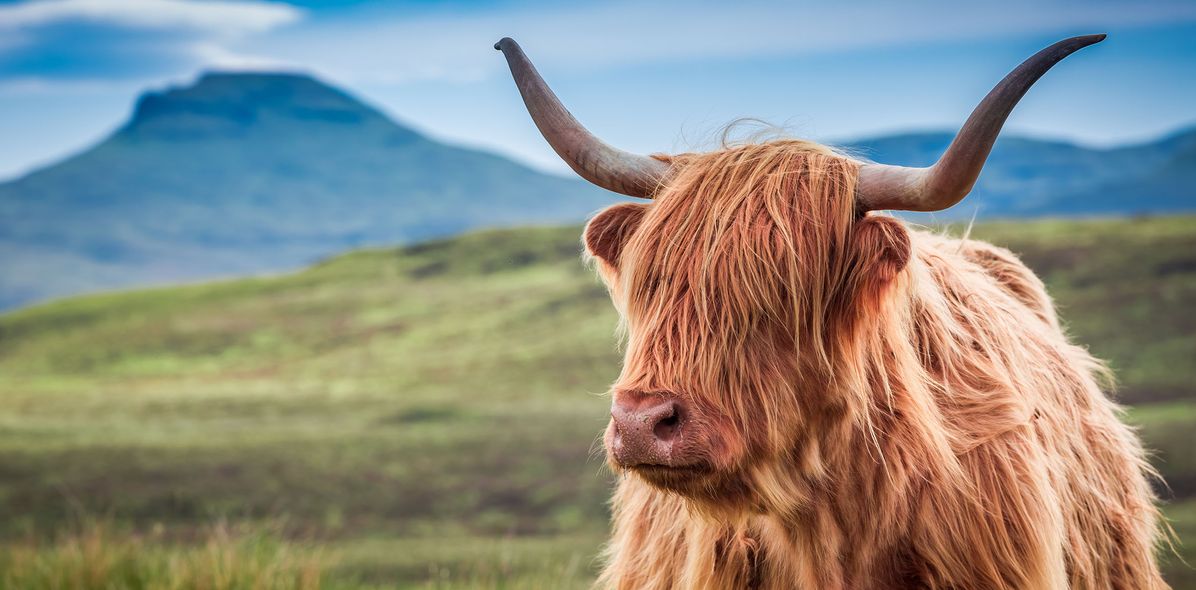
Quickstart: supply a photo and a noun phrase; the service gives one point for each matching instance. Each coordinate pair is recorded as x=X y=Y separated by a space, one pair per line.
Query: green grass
x=428 y=415
x=95 y=557
x=99 y=555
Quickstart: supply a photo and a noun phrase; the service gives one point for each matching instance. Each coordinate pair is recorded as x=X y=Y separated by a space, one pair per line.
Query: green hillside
x=429 y=414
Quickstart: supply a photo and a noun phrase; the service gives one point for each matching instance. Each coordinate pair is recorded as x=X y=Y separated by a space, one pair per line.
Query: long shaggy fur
x=890 y=408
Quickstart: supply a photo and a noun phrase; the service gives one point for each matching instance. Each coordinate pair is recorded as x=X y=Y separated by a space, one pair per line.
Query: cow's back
x=1098 y=476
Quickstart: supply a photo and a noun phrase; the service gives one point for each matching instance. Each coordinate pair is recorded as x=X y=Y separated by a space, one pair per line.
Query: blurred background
x=291 y=295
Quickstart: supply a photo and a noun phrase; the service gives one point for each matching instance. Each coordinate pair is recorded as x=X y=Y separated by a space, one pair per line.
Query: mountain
x=1170 y=186
x=1032 y=177
x=254 y=172
x=244 y=173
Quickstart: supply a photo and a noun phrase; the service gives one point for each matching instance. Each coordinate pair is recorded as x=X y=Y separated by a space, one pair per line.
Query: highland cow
x=815 y=395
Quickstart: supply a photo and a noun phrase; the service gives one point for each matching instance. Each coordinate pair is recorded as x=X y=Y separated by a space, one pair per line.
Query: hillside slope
x=445 y=395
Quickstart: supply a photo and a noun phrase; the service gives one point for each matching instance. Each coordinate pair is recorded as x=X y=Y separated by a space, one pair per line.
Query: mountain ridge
x=245 y=173
x=242 y=173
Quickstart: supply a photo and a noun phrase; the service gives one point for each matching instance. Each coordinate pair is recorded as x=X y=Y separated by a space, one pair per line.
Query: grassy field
x=427 y=417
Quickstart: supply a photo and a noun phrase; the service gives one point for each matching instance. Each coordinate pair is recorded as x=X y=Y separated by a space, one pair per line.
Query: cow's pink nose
x=646 y=430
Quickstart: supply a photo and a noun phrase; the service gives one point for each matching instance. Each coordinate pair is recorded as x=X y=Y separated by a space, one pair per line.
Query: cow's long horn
x=612 y=169
x=950 y=179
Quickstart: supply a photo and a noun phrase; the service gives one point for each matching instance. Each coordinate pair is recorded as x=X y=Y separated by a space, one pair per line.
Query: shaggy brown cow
x=816 y=396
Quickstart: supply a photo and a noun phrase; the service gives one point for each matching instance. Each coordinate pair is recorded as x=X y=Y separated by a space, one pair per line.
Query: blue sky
x=647 y=76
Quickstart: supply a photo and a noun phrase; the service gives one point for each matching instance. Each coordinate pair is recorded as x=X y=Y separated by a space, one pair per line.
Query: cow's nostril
x=666 y=429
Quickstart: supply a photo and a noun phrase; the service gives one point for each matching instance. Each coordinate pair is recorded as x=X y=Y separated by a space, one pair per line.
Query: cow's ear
x=881 y=250
x=608 y=231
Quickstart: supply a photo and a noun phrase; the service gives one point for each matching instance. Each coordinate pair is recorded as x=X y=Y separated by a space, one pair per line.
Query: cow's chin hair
x=700 y=484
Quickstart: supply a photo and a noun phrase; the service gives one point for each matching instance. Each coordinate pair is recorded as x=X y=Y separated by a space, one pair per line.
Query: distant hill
x=1169 y=186
x=248 y=172
x=243 y=173
x=1032 y=177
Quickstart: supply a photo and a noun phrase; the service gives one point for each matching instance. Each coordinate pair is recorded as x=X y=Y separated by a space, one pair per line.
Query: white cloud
x=215 y=55
x=93 y=41
x=452 y=46
x=216 y=16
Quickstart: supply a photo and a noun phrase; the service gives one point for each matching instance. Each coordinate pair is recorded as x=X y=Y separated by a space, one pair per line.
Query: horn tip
x=504 y=43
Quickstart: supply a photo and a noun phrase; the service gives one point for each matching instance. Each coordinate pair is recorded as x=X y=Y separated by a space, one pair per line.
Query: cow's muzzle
x=651 y=431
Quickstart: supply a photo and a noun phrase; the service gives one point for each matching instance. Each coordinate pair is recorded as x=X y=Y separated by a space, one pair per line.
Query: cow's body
x=974 y=448
x=815 y=396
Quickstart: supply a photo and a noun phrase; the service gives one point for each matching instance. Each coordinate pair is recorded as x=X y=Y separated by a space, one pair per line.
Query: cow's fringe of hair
x=895 y=408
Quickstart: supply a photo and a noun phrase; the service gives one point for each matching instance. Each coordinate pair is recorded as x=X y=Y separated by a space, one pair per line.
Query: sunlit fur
x=887 y=408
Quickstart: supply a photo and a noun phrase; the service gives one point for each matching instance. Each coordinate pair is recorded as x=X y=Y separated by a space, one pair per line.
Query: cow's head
x=730 y=285
x=742 y=281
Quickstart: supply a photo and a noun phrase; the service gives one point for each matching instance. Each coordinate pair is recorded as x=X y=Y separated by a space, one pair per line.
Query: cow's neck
x=661 y=542
x=831 y=537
